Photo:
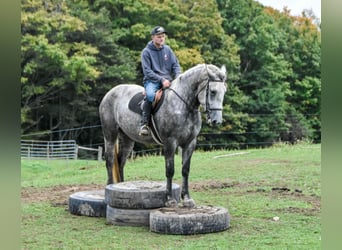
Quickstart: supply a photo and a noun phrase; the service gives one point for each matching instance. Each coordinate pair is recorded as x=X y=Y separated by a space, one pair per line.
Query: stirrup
x=144 y=130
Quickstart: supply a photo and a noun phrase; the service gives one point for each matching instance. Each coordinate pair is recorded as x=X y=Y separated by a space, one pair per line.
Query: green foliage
x=272 y=65
x=53 y=64
x=73 y=52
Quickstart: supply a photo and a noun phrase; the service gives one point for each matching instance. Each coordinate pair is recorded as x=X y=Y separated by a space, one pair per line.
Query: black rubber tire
x=197 y=220
x=88 y=203
x=128 y=217
x=139 y=194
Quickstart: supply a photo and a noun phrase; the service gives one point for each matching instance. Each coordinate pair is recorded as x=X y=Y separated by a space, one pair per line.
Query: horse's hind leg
x=186 y=159
x=125 y=148
x=109 y=157
x=110 y=131
x=110 y=134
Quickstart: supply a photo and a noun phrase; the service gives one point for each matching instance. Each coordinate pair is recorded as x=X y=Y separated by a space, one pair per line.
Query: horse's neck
x=188 y=85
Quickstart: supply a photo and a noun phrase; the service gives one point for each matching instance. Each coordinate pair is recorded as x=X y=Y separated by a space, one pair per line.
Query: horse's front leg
x=169 y=155
x=186 y=159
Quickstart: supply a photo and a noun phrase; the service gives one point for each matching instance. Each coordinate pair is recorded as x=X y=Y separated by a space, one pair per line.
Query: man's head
x=158 y=36
x=158 y=30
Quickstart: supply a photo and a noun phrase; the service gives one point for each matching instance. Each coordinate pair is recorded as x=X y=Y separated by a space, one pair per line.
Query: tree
x=301 y=47
x=52 y=64
x=271 y=62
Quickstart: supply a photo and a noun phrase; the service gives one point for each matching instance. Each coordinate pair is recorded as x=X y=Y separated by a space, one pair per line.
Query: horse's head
x=212 y=94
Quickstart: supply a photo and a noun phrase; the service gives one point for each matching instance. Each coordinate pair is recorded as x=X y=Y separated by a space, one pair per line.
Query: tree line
x=74 y=51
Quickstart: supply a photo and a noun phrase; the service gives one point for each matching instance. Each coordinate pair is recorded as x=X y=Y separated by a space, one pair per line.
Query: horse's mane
x=196 y=71
x=193 y=71
x=190 y=73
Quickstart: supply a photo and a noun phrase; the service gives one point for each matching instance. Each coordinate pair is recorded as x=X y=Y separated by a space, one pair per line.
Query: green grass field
x=255 y=185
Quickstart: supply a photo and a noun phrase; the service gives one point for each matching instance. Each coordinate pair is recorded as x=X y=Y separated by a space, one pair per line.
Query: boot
x=146 y=116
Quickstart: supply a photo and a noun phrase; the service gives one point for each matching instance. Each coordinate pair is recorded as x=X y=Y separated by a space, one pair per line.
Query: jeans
x=151 y=89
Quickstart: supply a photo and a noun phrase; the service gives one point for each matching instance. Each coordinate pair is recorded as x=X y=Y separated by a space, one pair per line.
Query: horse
x=178 y=122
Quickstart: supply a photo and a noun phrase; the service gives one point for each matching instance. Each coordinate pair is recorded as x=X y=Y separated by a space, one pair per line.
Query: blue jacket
x=159 y=64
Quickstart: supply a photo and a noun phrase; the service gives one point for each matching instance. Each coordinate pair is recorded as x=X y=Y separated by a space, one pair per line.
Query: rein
x=182 y=99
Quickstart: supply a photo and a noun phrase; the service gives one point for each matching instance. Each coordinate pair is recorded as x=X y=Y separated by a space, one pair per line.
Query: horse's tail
x=115 y=171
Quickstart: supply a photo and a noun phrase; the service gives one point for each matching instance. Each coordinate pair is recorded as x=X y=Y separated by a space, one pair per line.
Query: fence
x=66 y=149
x=48 y=149
x=98 y=150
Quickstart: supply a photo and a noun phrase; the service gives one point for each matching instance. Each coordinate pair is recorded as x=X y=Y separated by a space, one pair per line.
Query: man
x=160 y=66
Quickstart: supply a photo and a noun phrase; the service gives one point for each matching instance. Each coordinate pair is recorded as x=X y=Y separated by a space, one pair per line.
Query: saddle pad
x=135 y=103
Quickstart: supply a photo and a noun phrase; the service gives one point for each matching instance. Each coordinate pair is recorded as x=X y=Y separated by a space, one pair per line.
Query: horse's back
x=118 y=95
x=114 y=111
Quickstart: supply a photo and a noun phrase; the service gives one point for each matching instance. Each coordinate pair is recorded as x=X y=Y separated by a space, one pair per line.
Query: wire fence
x=68 y=149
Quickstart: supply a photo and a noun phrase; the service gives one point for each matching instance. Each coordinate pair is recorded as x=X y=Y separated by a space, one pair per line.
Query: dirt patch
x=296 y=194
x=276 y=192
x=57 y=195
x=298 y=210
x=212 y=184
x=313 y=200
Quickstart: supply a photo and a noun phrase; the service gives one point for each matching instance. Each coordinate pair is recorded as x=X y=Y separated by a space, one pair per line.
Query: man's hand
x=166 y=84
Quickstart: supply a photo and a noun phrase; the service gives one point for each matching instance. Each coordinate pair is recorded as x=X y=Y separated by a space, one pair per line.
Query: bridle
x=208 y=109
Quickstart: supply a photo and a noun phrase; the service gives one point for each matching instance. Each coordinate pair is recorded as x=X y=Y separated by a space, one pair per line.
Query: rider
x=160 y=66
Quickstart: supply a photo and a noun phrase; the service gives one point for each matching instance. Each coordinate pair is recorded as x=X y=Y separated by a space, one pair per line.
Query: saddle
x=135 y=105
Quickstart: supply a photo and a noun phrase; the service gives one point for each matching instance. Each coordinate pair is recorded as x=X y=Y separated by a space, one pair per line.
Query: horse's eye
x=212 y=92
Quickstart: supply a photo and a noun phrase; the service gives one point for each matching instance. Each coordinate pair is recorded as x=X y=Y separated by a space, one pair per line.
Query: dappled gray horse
x=178 y=122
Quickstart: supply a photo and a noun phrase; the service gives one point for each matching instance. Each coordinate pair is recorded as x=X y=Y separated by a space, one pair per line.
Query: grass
x=255 y=186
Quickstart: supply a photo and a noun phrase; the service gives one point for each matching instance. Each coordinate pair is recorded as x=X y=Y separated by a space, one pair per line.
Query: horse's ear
x=223 y=69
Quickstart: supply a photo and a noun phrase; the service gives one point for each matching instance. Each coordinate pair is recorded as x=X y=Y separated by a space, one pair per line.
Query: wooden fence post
x=99 y=153
x=76 y=152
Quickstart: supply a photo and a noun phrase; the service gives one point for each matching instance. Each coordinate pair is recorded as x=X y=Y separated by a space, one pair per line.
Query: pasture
x=255 y=185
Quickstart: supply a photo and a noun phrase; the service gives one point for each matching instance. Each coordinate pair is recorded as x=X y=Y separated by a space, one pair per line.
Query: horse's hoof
x=171 y=203
x=189 y=203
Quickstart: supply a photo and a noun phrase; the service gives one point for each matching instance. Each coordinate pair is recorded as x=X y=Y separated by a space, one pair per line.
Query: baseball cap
x=158 y=30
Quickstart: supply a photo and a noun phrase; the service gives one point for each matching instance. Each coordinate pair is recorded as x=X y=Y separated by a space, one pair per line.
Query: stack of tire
x=130 y=203
x=142 y=203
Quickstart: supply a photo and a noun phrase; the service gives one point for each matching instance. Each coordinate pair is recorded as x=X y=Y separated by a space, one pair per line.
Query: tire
x=198 y=220
x=128 y=217
x=139 y=194
x=88 y=203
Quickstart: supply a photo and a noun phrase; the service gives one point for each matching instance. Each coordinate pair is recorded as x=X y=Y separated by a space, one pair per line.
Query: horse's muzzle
x=214 y=122
x=214 y=118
